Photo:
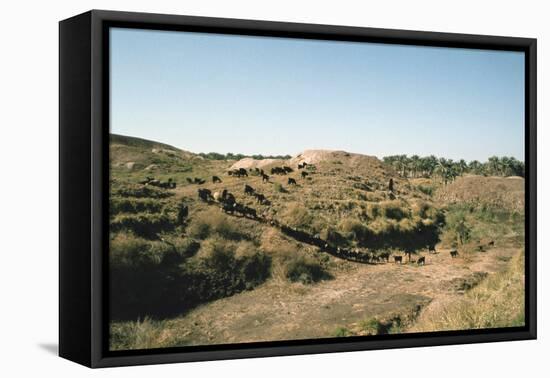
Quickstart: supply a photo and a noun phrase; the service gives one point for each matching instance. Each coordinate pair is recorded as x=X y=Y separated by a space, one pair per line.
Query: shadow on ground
x=51 y=348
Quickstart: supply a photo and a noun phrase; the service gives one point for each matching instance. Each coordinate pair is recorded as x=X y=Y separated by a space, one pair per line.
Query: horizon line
x=267 y=156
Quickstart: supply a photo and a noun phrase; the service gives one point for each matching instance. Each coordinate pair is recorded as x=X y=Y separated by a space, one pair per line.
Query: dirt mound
x=489 y=191
x=125 y=140
x=248 y=163
x=312 y=157
x=318 y=156
x=146 y=154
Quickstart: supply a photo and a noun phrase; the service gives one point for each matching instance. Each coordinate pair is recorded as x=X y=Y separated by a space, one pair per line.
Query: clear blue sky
x=255 y=95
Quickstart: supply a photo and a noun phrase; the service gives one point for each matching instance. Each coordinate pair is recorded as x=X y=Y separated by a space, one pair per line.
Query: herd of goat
x=229 y=205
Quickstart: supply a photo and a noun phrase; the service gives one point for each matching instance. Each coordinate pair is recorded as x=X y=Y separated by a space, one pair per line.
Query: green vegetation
x=136 y=334
x=469 y=225
x=447 y=169
x=371 y=326
x=157 y=272
x=426 y=189
x=162 y=278
x=135 y=205
x=304 y=270
x=136 y=191
x=458 y=226
x=342 y=332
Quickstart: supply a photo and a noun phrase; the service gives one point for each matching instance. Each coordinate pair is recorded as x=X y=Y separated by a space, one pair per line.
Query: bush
x=135 y=335
x=374 y=210
x=143 y=224
x=354 y=229
x=198 y=229
x=371 y=326
x=218 y=254
x=333 y=237
x=296 y=215
x=127 y=250
x=342 y=332
x=428 y=190
x=221 y=225
x=213 y=222
x=254 y=266
x=458 y=226
x=134 y=205
x=142 y=273
x=421 y=209
x=394 y=210
x=158 y=279
x=304 y=270
x=140 y=191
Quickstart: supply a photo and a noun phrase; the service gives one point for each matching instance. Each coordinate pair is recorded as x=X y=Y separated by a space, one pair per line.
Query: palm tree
x=462 y=166
x=475 y=167
x=414 y=165
x=430 y=163
x=494 y=165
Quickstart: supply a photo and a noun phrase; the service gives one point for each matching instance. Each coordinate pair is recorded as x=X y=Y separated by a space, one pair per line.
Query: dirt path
x=280 y=310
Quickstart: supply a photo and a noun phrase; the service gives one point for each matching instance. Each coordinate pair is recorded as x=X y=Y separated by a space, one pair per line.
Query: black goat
x=248 y=190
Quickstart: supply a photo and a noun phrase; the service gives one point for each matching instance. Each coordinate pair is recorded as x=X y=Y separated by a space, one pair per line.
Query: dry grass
x=346 y=201
x=489 y=191
x=496 y=302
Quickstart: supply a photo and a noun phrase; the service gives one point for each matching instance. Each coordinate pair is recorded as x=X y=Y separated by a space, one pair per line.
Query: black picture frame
x=83 y=196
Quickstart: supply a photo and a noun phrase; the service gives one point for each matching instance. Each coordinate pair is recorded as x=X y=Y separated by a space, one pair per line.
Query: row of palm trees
x=447 y=169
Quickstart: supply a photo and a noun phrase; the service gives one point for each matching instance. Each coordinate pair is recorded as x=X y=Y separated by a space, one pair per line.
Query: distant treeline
x=230 y=156
x=448 y=169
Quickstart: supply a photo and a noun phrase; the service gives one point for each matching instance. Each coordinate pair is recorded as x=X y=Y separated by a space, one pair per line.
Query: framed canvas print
x=235 y=188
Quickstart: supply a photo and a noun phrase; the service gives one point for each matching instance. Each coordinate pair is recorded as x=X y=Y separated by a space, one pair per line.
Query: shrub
x=128 y=250
x=394 y=209
x=255 y=267
x=426 y=189
x=421 y=209
x=354 y=229
x=218 y=254
x=298 y=216
x=342 y=332
x=198 y=229
x=223 y=227
x=175 y=250
x=305 y=270
x=141 y=275
x=371 y=326
x=333 y=237
x=143 y=224
x=134 y=205
x=374 y=210
x=459 y=227
x=135 y=335
x=213 y=222
x=139 y=191
x=158 y=279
